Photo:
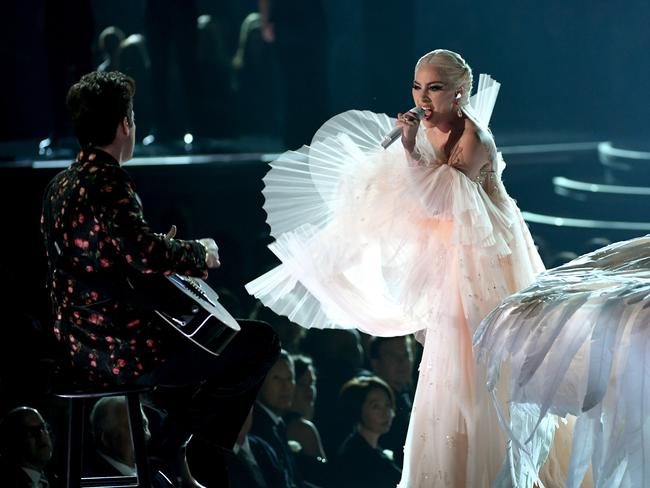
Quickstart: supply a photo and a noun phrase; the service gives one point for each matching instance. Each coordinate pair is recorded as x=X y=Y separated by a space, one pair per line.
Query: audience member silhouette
x=255 y=70
x=113 y=453
x=391 y=358
x=68 y=33
x=273 y=401
x=213 y=62
x=311 y=460
x=253 y=462
x=25 y=449
x=367 y=405
x=297 y=30
x=109 y=45
x=171 y=32
x=337 y=356
x=133 y=59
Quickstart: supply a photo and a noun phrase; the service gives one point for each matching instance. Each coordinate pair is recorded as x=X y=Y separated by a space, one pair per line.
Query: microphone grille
x=418 y=112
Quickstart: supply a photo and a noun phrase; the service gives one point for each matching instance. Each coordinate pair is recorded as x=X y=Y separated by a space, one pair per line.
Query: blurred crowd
x=199 y=78
x=332 y=412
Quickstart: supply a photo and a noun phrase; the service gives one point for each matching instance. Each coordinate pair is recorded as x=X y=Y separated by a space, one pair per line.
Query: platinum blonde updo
x=454 y=67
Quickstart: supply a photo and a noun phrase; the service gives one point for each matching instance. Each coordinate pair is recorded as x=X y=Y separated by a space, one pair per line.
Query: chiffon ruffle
x=579 y=340
x=368 y=239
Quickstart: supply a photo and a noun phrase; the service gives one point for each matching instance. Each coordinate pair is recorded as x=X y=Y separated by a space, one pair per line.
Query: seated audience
x=391 y=358
x=113 y=454
x=311 y=459
x=338 y=356
x=368 y=406
x=25 y=450
x=253 y=463
x=273 y=401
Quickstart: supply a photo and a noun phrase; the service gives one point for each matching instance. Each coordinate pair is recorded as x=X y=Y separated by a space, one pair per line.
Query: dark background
x=571 y=72
x=567 y=67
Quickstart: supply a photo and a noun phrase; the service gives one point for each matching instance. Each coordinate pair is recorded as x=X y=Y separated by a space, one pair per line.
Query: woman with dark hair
x=368 y=407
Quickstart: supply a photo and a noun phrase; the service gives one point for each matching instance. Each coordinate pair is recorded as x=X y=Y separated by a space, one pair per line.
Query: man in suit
x=25 y=449
x=251 y=463
x=113 y=454
x=273 y=401
x=97 y=243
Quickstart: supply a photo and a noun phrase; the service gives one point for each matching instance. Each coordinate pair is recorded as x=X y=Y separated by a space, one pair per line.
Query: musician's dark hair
x=98 y=103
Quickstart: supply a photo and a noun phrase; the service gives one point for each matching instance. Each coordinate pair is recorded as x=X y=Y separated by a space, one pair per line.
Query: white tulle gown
x=369 y=241
x=579 y=340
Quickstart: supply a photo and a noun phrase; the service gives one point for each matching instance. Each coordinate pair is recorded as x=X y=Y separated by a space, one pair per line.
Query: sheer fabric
x=578 y=339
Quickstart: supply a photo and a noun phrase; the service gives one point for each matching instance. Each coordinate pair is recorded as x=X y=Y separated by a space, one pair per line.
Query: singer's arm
x=413 y=157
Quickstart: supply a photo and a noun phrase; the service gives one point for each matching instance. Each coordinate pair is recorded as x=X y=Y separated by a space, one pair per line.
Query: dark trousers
x=209 y=396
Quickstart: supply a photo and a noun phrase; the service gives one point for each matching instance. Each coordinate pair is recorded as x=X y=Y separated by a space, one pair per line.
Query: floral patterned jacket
x=95 y=237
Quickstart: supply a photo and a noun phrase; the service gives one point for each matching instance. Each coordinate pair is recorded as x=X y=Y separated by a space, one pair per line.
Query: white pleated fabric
x=368 y=240
x=579 y=340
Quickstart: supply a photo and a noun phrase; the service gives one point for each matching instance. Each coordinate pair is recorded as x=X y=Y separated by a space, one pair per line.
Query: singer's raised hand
x=410 y=124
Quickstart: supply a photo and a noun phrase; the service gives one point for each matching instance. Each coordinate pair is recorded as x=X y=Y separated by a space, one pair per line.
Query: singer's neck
x=445 y=124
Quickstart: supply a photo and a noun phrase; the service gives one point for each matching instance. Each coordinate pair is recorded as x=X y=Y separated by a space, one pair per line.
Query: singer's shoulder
x=473 y=150
x=476 y=138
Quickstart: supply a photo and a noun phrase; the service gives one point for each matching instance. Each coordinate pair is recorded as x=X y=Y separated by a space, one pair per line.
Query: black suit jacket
x=358 y=465
x=239 y=475
x=276 y=437
x=15 y=477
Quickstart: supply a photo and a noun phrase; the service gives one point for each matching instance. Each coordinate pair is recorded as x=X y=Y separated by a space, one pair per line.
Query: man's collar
x=95 y=154
x=34 y=474
x=245 y=446
x=274 y=417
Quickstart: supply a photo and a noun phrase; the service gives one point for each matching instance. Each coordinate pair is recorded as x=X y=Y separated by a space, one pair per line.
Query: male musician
x=96 y=238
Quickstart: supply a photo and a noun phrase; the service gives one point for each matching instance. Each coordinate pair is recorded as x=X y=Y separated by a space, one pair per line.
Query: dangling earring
x=459 y=111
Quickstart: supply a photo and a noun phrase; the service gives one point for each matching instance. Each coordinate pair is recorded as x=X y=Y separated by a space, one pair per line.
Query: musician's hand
x=211 y=252
x=172 y=232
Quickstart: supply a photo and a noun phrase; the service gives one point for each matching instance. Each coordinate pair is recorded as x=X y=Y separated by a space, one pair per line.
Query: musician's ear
x=123 y=129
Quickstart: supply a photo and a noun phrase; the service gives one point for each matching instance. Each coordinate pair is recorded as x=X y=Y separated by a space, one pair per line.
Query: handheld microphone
x=397 y=130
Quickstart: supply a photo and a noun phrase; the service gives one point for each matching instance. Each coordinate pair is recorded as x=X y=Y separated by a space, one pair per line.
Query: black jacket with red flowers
x=96 y=237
